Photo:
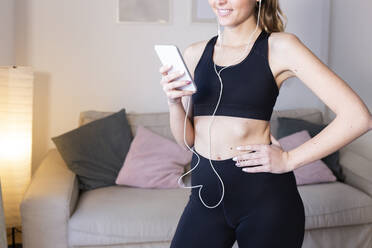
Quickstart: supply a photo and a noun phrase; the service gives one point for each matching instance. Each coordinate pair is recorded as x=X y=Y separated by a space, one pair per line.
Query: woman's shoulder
x=193 y=53
x=283 y=46
x=196 y=48
x=282 y=40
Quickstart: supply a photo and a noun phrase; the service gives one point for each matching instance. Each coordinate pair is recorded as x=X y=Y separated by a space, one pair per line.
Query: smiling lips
x=224 y=12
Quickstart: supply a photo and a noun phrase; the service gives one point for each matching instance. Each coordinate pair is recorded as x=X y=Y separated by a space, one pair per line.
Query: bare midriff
x=227 y=133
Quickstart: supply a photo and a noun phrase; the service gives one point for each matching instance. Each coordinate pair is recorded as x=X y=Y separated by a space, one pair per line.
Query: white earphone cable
x=220 y=37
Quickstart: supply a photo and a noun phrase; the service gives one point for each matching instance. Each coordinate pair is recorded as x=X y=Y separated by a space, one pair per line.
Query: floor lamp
x=3 y=238
x=16 y=100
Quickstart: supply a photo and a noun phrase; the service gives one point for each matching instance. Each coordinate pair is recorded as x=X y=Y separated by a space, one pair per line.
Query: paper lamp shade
x=16 y=100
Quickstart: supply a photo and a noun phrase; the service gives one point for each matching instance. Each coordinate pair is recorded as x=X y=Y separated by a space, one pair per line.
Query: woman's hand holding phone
x=170 y=83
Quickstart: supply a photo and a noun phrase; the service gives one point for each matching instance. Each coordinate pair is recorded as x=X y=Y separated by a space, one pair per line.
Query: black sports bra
x=249 y=87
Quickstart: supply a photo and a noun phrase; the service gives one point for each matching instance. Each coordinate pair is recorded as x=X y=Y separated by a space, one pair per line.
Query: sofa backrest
x=158 y=122
x=361 y=145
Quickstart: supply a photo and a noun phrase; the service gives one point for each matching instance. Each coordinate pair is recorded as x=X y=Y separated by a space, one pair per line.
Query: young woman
x=260 y=204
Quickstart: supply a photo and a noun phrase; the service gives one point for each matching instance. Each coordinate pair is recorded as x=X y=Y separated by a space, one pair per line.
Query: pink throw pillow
x=153 y=161
x=314 y=172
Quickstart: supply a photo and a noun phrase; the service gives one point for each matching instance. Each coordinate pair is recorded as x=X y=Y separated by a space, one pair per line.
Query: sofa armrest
x=48 y=203
x=357 y=170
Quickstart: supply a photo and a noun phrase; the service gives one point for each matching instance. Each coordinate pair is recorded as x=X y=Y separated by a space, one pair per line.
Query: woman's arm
x=177 y=113
x=177 y=119
x=352 y=116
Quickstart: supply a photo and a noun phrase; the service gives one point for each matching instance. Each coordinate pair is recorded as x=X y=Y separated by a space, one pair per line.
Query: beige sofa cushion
x=335 y=204
x=121 y=214
x=361 y=146
x=357 y=169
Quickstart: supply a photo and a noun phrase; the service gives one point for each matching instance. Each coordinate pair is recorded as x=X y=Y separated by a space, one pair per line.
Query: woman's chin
x=225 y=22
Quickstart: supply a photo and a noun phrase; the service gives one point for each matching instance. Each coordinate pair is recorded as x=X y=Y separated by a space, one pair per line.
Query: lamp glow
x=16 y=101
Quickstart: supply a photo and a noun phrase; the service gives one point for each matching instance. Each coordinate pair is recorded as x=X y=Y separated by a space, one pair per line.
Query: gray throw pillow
x=287 y=126
x=96 y=151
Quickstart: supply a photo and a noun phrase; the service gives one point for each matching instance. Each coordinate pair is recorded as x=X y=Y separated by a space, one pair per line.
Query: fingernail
x=235 y=158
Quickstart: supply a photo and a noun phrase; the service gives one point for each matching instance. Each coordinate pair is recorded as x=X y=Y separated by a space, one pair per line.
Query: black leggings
x=259 y=209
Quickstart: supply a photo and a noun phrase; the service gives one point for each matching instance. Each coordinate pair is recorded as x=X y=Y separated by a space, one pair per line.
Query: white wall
x=7 y=33
x=309 y=20
x=84 y=60
x=350 y=52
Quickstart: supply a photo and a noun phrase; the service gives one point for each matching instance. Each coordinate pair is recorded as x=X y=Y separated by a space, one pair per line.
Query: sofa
x=56 y=214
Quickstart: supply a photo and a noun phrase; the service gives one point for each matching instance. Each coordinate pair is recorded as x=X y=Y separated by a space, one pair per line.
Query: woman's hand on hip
x=266 y=158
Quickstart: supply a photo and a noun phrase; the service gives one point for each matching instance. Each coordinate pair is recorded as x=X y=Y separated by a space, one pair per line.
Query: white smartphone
x=171 y=55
